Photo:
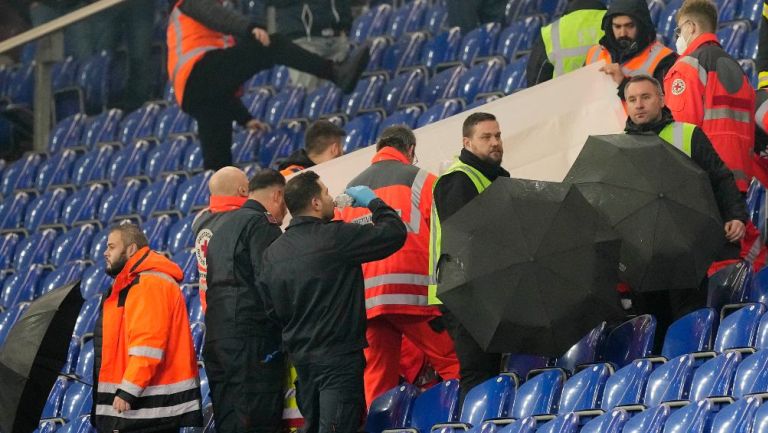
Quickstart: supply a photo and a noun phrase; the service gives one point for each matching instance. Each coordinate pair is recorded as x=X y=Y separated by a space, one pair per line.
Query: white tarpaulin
x=543 y=129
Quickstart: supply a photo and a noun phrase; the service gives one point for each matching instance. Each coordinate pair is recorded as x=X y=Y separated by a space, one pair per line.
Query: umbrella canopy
x=661 y=204
x=529 y=267
x=33 y=355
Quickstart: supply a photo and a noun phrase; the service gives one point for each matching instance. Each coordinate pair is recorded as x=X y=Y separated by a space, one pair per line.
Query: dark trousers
x=469 y=14
x=668 y=306
x=330 y=393
x=475 y=365
x=247 y=393
x=210 y=93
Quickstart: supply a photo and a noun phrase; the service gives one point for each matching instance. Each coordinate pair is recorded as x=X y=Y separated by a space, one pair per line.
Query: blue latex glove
x=361 y=194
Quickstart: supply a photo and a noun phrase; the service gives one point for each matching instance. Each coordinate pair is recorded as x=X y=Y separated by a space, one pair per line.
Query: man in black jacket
x=242 y=347
x=314 y=287
x=648 y=115
x=323 y=141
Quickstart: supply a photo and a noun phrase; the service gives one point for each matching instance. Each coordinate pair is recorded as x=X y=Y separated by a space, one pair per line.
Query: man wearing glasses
x=707 y=87
x=396 y=287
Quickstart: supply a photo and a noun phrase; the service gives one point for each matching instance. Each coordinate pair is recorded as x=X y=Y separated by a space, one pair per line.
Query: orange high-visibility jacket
x=144 y=351
x=707 y=88
x=398 y=284
x=188 y=41
x=644 y=62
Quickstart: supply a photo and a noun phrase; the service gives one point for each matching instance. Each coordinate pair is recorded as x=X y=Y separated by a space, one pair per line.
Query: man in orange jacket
x=396 y=287
x=707 y=87
x=145 y=371
x=213 y=50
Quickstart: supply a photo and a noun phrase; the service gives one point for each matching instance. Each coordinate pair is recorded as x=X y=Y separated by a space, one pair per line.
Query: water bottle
x=343 y=200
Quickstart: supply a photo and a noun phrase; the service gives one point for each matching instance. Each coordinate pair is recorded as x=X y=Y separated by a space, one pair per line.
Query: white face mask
x=681 y=45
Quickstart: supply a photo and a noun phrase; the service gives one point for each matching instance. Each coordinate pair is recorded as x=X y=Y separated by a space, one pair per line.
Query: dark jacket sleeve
x=452 y=192
x=260 y=236
x=762 y=48
x=539 y=68
x=371 y=242
x=729 y=199
x=215 y=16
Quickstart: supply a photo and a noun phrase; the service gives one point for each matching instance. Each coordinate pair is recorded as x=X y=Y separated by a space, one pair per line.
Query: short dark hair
x=398 y=136
x=131 y=234
x=320 y=135
x=300 y=190
x=474 y=119
x=648 y=78
x=265 y=178
x=703 y=12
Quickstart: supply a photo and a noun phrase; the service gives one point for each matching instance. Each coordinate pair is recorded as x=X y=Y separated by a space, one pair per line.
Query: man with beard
x=473 y=171
x=629 y=46
x=313 y=280
x=145 y=369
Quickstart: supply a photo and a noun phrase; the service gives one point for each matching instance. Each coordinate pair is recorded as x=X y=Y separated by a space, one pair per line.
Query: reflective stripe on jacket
x=568 y=39
x=643 y=63
x=679 y=134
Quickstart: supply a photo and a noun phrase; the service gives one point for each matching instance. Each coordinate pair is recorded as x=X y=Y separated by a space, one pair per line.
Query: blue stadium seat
x=669 y=381
x=285 y=105
x=45 y=209
x=8 y=243
x=158 y=197
x=517 y=9
x=732 y=38
x=751 y=10
x=66 y=133
x=86 y=320
x=750 y=70
x=82 y=205
x=435 y=19
x=101 y=128
x=21 y=84
x=692 y=418
x=715 y=377
x=171 y=120
x=439 y=111
x=404 y=53
x=739 y=329
x=655 y=7
x=77 y=401
x=128 y=161
x=481 y=78
x=21 y=286
x=81 y=424
x=260 y=79
x=52 y=408
x=180 y=235
x=9 y=317
x=198 y=337
x=489 y=400
x=365 y=96
x=92 y=80
x=761 y=341
x=376 y=49
x=12 y=211
x=749 y=50
x=93 y=165
x=729 y=285
x=245 y=144
x=402 y=90
x=119 y=201
x=204 y=387
x=35 y=249
x=443 y=85
x=690 y=333
x=193 y=194
x=610 y=422
x=72 y=354
x=392 y=409
x=567 y=423
x=523 y=364
x=538 y=395
x=626 y=386
x=478 y=43
x=84 y=367
x=61 y=276
x=166 y=157
x=525 y=425
x=585 y=351
x=631 y=340
x=193 y=158
x=438 y=404
x=188 y=264
x=584 y=390
x=256 y=101
x=279 y=78
x=371 y=23
x=761 y=420
x=668 y=21
x=752 y=375
x=361 y=131
x=98 y=246
x=21 y=174
x=407 y=116
x=649 y=421
x=736 y=417
x=323 y=100
x=441 y=49
x=139 y=124
x=513 y=77
x=195 y=309
x=726 y=10
x=95 y=281
x=281 y=139
x=408 y=18
x=156 y=230
x=56 y=170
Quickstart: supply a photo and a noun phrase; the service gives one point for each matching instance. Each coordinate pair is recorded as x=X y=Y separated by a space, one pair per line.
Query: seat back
x=751 y=42
x=729 y=285
x=156 y=230
x=715 y=377
x=584 y=390
x=752 y=375
x=585 y=351
x=95 y=282
x=444 y=47
x=56 y=170
x=158 y=196
x=392 y=409
x=481 y=78
x=366 y=94
x=513 y=77
x=670 y=381
x=361 y=132
x=101 y=128
x=323 y=100
x=61 y=276
x=180 y=235
x=439 y=111
x=121 y=200
x=404 y=89
x=438 y=404
x=13 y=209
x=538 y=395
x=35 y=249
x=82 y=205
x=406 y=116
x=21 y=286
x=8 y=243
x=45 y=209
x=286 y=104
x=690 y=333
x=490 y=399
x=610 y=422
x=761 y=420
x=72 y=245
x=631 y=340
x=693 y=418
x=193 y=194
x=566 y=423
x=649 y=421
x=627 y=385
x=739 y=329
x=9 y=317
x=737 y=417
x=478 y=43
x=442 y=85
x=93 y=165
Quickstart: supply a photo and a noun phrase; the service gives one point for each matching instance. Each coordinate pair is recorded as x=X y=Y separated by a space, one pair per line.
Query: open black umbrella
x=661 y=204
x=33 y=355
x=529 y=267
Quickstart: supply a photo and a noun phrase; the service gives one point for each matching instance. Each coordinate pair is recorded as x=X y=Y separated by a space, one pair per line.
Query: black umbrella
x=33 y=355
x=529 y=267
x=661 y=204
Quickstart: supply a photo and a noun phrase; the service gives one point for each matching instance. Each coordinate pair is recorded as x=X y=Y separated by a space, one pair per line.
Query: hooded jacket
x=297 y=161
x=307 y=18
x=144 y=352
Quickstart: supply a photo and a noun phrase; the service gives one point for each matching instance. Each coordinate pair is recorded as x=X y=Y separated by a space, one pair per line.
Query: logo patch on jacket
x=201 y=253
x=678 y=86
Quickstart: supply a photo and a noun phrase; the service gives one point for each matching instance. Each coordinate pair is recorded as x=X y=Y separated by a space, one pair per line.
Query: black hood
x=646 y=33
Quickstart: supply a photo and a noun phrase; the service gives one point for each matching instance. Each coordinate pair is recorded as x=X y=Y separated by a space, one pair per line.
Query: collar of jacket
x=304 y=219
x=491 y=171
x=654 y=127
x=706 y=38
x=255 y=205
x=145 y=260
x=389 y=153
x=224 y=203
x=299 y=158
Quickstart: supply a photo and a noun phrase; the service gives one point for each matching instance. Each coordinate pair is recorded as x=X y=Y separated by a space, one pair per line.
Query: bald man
x=242 y=348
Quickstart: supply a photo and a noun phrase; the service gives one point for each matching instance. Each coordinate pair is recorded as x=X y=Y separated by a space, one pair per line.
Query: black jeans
x=330 y=393
x=247 y=393
x=210 y=93
x=475 y=365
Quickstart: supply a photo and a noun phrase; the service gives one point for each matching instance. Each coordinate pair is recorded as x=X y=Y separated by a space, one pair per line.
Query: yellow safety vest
x=568 y=39
x=481 y=183
x=762 y=76
x=679 y=134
